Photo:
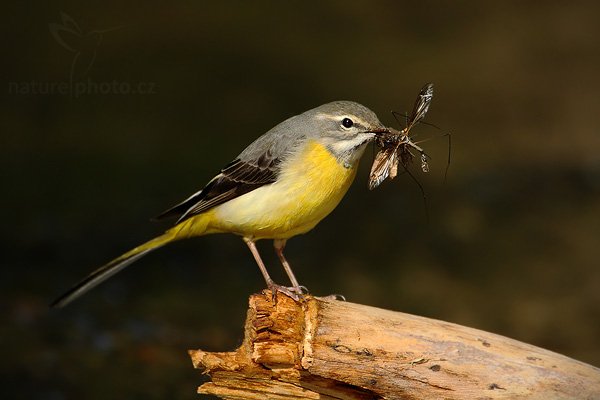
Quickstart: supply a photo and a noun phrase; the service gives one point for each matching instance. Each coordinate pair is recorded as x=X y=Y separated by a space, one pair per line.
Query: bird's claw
x=292 y=292
x=335 y=296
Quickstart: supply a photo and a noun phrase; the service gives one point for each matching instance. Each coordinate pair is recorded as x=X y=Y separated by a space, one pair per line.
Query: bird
x=282 y=185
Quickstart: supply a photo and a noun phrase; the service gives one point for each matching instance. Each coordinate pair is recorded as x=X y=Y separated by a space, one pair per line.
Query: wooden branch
x=328 y=349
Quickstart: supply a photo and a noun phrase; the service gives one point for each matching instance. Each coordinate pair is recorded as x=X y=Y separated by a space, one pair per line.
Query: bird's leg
x=279 y=245
x=270 y=283
x=259 y=261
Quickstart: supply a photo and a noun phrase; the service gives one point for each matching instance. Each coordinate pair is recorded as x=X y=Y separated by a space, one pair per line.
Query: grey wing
x=257 y=165
x=237 y=178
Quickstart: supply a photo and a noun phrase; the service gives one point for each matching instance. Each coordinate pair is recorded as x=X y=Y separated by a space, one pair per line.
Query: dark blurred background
x=112 y=112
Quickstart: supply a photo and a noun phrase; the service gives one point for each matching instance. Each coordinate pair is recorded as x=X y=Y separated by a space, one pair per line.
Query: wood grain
x=329 y=349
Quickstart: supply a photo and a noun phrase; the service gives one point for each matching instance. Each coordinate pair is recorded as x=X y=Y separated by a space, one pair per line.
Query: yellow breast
x=310 y=186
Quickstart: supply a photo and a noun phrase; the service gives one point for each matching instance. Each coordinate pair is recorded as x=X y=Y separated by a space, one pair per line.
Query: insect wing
x=382 y=166
x=394 y=165
x=421 y=106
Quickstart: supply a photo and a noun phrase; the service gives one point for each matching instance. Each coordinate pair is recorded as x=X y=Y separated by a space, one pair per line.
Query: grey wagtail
x=281 y=185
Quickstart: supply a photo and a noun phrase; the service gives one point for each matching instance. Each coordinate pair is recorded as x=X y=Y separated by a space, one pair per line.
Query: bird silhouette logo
x=84 y=46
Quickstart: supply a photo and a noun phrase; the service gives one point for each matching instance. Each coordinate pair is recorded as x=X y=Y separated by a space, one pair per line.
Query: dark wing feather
x=237 y=178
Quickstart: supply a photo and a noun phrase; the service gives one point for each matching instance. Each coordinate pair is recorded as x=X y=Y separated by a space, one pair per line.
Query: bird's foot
x=295 y=293
x=339 y=297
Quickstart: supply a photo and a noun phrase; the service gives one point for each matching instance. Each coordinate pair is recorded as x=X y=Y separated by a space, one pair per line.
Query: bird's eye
x=347 y=123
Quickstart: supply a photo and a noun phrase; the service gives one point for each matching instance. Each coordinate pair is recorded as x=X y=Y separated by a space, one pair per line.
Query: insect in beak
x=379 y=131
x=395 y=146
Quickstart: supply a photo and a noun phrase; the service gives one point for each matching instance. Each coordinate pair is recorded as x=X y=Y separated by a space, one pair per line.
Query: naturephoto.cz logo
x=84 y=48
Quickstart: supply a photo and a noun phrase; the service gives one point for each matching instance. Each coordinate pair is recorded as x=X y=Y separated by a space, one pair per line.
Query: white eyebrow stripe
x=354 y=118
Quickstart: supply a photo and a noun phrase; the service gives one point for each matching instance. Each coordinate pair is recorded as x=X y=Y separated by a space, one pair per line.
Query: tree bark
x=327 y=349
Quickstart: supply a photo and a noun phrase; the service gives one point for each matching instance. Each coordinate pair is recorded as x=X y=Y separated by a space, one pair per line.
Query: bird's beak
x=379 y=131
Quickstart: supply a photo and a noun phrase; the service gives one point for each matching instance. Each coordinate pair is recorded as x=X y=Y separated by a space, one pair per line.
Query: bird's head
x=345 y=128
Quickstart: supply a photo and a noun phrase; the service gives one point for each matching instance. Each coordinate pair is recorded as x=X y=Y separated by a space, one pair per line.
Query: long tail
x=116 y=265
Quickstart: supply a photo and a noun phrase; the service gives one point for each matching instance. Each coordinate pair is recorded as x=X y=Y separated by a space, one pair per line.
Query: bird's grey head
x=344 y=127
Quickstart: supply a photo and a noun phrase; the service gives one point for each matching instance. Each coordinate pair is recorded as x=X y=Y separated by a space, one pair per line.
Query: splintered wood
x=328 y=349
